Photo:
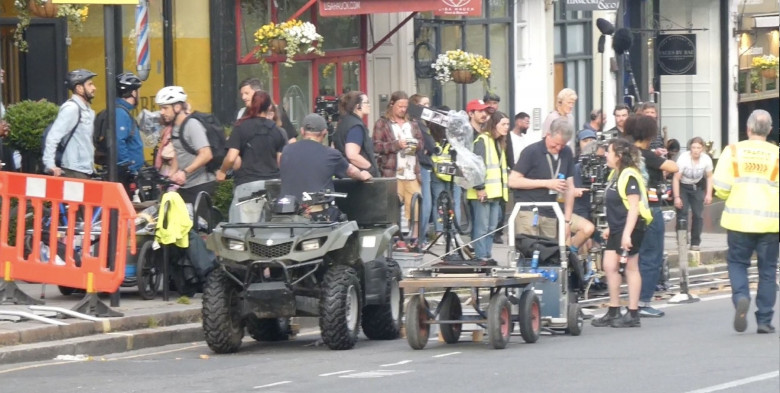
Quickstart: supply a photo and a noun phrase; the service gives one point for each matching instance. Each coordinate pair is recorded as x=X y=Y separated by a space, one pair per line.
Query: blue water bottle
x=561 y=196
x=535 y=262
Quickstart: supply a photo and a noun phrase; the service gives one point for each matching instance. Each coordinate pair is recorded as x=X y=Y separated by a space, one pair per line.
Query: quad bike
x=303 y=262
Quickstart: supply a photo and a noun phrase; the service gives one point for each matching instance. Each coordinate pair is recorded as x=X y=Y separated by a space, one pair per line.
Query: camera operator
x=581 y=226
x=443 y=181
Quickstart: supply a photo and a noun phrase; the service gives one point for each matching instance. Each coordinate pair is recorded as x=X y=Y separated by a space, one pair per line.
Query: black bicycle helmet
x=126 y=83
x=78 y=77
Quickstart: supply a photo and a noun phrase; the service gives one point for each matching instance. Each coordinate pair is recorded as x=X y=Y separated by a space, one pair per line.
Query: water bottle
x=535 y=261
x=561 y=195
x=623 y=261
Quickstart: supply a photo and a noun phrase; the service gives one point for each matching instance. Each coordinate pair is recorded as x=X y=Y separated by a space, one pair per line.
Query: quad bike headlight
x=311 y=244
x=235 y=245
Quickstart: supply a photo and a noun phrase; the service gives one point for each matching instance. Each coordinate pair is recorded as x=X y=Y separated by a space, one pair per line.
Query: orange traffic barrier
x=76 y=242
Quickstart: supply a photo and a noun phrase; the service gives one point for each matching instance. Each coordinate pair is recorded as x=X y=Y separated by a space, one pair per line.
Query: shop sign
x=676 y=54
x=459 y=7
x=591 y=5
x=358 y=7
x=104 y=2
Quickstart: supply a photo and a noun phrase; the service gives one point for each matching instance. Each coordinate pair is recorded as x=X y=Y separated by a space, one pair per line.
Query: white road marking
x=738 y=382
x=396 y=364
x=272 y=384
x=336 y=373
x=376 y=374
x=446 y=354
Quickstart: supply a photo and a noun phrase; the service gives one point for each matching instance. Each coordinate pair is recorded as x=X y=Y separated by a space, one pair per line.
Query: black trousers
x=693 y=200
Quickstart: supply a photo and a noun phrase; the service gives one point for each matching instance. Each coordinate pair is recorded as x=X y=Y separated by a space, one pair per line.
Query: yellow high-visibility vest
x=622 y=182
x=747 y=179
x=443 y=158
x=495 y=171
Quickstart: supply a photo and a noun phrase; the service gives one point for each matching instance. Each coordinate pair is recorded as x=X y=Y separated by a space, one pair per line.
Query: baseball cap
x=476 y=105
x=314 y=122
x=586 y=134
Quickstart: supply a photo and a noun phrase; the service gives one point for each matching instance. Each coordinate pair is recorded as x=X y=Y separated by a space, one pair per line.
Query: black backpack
x=215 y=134
x=64 y=141
x=99 y=135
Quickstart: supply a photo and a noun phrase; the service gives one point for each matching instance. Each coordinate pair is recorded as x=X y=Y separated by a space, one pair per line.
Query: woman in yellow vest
x=627 y=216
x=484 y=198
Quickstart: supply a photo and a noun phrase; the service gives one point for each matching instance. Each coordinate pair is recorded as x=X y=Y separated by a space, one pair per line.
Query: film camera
x=328 y=108
x=594 y=169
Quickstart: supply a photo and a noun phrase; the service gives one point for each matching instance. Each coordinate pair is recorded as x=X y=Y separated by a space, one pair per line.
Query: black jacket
x=346 y=122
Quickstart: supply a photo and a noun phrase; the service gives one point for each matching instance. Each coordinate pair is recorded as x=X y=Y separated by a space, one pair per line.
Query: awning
x=439 y=7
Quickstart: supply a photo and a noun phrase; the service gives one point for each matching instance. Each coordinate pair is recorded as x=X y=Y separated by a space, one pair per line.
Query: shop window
x=573 y=57
x=253 y=14
x=295 y=89
x=343 y=33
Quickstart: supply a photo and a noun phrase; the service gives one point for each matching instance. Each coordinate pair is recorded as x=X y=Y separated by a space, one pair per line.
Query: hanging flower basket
x=769 y=73
x=288 y=38
x=42 y=10
x=278 y=46
x=461 y=67
x=463 y=77
x=75 y=14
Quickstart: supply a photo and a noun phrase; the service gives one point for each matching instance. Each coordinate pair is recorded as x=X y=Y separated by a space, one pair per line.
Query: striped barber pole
x=142 y=39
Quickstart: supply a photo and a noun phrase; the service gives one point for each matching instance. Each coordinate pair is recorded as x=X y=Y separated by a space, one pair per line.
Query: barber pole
x=142 y=41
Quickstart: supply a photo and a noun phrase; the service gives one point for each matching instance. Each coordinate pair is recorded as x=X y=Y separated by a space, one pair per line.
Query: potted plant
x=289 y=38
x=76 y=14
x=27 y=120
x=461 y=67
x=767 y=65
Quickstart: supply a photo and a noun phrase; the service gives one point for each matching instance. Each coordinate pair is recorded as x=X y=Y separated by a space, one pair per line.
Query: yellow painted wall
x=191 y=50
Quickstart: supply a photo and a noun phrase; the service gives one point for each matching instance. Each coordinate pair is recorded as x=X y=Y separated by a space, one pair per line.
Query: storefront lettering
x=341 y=6
x=676 y=54
x=591 y=5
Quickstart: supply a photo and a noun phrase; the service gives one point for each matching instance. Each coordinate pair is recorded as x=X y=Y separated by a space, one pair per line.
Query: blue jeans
x=741 y=247
x=437 y=186
x=427 y=200
x=485 y=220
x=651 y=256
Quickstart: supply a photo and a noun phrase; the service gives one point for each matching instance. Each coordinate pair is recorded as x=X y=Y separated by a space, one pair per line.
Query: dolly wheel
x=417 y=327
x=499 y=321
x=530 y=317
x=450 y=310
x=575 y=319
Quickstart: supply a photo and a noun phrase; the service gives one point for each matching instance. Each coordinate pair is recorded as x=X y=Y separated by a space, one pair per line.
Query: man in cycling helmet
x=129 y=146
x=191 y=173
x=73 y=127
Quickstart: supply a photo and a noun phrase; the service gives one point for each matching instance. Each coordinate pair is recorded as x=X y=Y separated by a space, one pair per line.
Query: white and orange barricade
x=77 y=247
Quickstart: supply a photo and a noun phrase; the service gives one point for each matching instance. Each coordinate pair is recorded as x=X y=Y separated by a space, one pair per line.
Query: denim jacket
x=129 y=146
x=79 y=155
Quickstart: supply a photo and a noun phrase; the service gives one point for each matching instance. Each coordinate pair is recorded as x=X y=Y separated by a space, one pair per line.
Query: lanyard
x=549 y=162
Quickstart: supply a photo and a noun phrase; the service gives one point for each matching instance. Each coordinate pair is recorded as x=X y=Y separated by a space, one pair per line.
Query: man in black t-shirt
x=544 y=171
x=309 y=166
x=651 y=253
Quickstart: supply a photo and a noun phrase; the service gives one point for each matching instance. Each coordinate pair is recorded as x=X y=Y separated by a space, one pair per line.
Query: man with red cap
x=478 y=115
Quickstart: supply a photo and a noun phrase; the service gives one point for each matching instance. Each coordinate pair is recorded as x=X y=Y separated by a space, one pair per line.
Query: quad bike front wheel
x=340 y=307
x=222 y=322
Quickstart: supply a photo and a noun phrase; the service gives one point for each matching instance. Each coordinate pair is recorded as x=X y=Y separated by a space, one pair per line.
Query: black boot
x=629 y=319
x=606 y=320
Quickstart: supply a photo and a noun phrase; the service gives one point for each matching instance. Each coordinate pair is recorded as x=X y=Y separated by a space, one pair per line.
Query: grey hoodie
x=79 y=155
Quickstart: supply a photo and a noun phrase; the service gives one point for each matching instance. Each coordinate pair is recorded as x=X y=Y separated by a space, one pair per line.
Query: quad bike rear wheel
x=383 y=321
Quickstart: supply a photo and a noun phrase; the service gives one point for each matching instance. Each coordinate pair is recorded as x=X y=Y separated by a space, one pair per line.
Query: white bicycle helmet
x=170 y=95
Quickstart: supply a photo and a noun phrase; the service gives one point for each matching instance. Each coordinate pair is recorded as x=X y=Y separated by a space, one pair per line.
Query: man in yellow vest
x=746 y=177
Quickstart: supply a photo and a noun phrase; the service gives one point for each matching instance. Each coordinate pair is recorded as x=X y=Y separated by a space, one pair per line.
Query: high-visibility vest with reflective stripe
x=747 y=179
x=495 y=171
x=622 y=182
x=443 y=158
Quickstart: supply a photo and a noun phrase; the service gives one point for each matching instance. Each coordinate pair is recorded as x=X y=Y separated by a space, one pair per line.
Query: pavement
x=154 y=323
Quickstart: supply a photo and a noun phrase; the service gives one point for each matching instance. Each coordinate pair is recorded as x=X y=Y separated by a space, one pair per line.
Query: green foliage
x=27 y=120
x=223 y=197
